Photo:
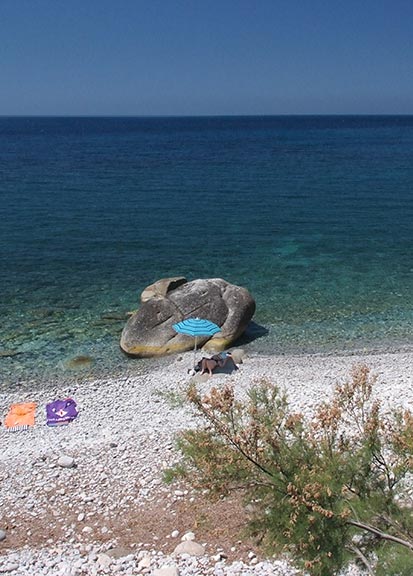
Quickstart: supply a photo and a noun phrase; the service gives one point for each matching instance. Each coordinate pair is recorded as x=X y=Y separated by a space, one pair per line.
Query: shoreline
x=122 y=441
x=133 y=367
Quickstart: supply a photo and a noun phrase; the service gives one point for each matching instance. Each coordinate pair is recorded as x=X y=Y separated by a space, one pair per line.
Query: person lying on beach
x=216 y=361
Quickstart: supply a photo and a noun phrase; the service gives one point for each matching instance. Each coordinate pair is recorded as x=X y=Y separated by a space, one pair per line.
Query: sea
x=312 y=214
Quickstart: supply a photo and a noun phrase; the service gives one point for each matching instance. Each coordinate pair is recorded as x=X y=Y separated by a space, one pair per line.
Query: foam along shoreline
x=122 y=441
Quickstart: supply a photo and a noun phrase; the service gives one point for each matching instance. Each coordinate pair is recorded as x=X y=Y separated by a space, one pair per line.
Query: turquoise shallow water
x=312 y=214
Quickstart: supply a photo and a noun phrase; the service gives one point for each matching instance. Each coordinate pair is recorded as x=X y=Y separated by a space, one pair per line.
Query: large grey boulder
x=149 y=332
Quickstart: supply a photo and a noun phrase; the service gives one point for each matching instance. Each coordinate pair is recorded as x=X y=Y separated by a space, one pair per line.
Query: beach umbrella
x=196 y=327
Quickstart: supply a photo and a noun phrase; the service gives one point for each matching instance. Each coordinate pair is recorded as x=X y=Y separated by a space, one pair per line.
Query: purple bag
x=61 y=412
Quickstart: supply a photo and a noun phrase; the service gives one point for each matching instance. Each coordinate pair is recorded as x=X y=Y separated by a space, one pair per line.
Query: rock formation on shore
x=149 y=331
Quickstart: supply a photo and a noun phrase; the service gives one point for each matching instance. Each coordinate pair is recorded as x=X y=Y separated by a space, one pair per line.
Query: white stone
x=188 y=536
x=9 y=568
x=166 y=571
x=145 y=562
x=66 y=462
x=189 y=547
x=104 y=560
x=126 y=559
x=2 y=535
x=175 y=534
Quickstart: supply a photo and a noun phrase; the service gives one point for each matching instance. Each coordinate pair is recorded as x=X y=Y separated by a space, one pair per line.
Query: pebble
x=66 y=462
x=188 y=536
x=145 y=562
x=189 y=547
x=123 y=554
x=251 y=554
x=166 y=571
x=104 y=560
x=2 y=535
x=8 y=568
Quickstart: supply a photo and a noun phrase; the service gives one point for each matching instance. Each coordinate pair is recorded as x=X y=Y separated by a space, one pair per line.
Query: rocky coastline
x=89 y=498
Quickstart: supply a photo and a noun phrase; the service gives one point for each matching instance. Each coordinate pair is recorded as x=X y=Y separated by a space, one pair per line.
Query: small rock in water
x=66 y=461
x=80 y=362
x=8 y=353
x=114 y=315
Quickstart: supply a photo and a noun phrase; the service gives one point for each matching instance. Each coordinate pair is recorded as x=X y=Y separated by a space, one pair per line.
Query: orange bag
x=20 y=416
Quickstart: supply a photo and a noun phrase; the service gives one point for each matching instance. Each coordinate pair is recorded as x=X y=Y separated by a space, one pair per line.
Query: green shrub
x=327 y=488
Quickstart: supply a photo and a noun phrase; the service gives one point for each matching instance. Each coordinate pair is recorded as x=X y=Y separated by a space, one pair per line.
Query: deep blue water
x=314 y=215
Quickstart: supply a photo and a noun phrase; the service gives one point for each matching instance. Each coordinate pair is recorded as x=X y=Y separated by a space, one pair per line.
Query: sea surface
x=314 y=215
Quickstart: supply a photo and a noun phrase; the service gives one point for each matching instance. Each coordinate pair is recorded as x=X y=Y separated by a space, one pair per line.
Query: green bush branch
x=315 y=482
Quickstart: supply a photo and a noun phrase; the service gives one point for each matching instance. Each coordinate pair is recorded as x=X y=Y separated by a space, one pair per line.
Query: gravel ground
x=104 y=508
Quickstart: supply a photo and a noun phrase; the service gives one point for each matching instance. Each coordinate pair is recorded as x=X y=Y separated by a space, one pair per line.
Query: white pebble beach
x=64 y=520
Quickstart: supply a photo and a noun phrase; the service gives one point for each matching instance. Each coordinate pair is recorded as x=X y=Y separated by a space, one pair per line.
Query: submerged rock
x=114 y=316
x=149 y=331
x=80 y=362
x=9 y=353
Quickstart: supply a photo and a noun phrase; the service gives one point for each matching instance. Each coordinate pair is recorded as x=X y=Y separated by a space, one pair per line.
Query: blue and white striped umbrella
x=196 y=327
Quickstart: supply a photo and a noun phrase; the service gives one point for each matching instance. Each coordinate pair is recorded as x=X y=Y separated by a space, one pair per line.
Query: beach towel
x=61 y=412
x=20 y=416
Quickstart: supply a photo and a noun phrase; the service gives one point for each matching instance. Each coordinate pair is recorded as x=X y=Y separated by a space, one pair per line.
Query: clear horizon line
x=393 y=114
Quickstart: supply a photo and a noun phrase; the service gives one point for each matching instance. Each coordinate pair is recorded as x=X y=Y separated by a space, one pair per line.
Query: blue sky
x=189 y=57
